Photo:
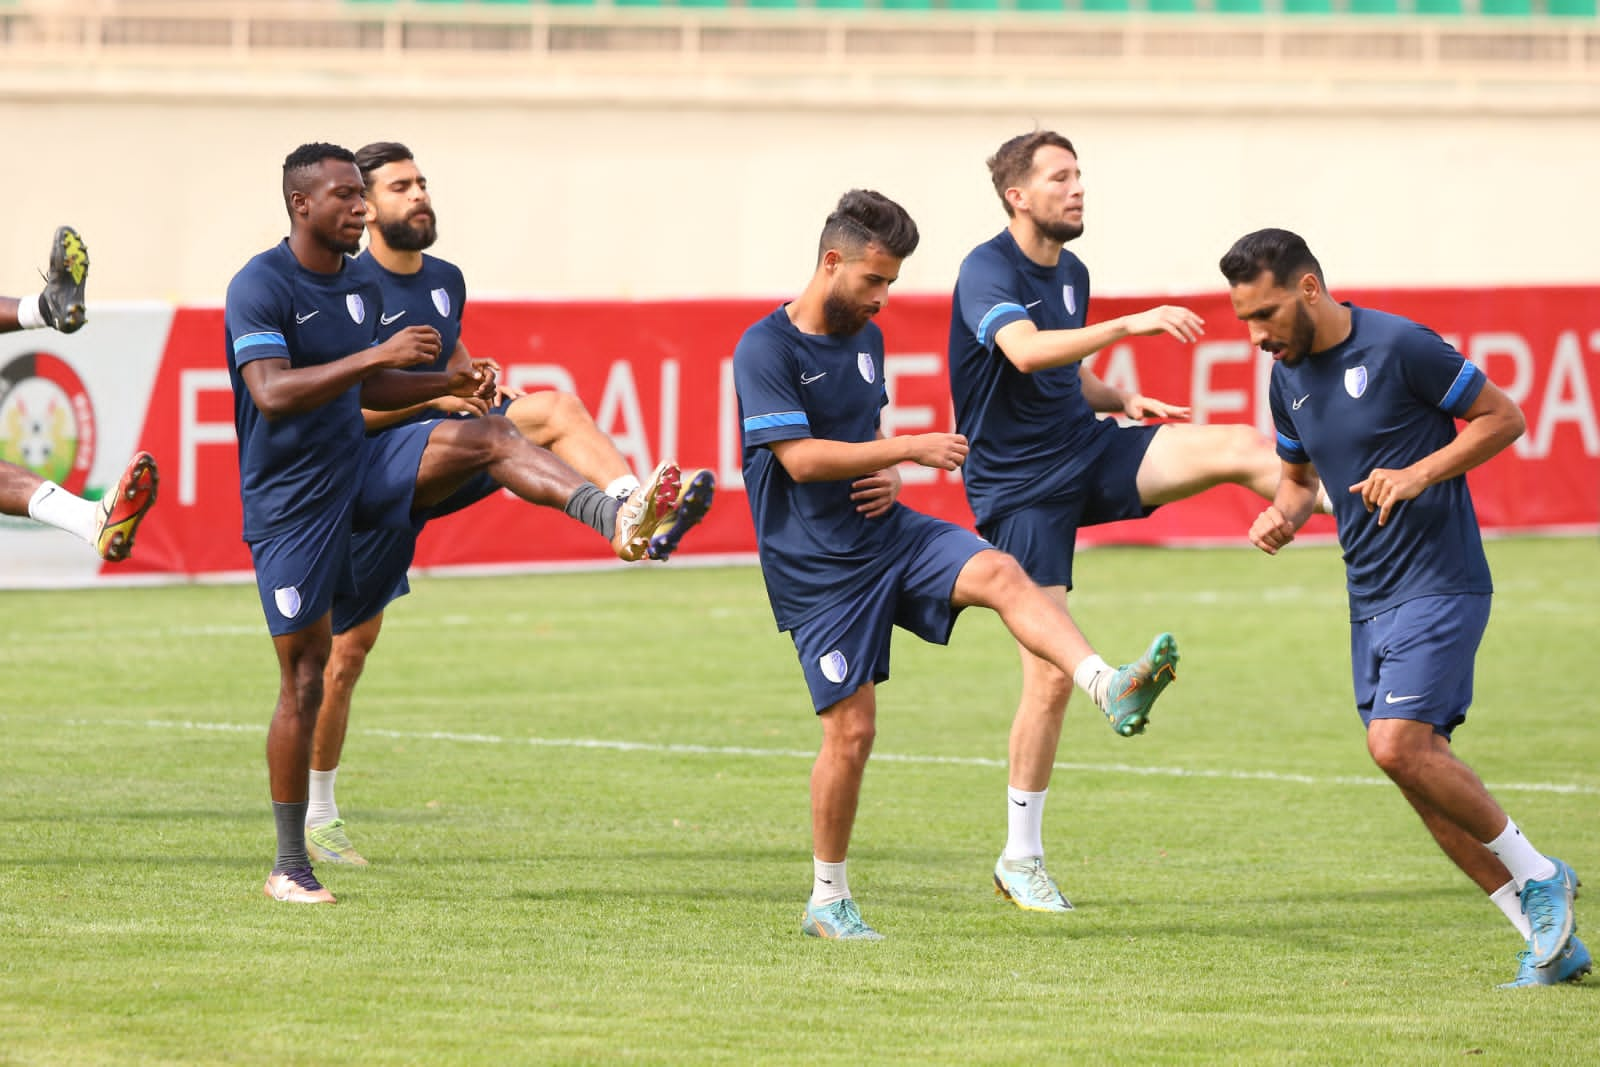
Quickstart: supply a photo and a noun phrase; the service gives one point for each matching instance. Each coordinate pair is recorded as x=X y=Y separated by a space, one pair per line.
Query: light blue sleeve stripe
x=782 y=418
x=1289 y=444
x=1468 y=375
x=994 y=313
x=250 y=340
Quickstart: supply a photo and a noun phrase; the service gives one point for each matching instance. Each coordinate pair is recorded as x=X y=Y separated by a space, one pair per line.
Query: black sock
x=291 y=820
x=590 y=505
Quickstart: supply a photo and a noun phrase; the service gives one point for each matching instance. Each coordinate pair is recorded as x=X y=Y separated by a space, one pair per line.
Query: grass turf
x=585 y=801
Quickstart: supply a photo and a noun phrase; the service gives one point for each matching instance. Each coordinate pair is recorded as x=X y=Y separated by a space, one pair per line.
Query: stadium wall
x=587 y=197
x=657 y=376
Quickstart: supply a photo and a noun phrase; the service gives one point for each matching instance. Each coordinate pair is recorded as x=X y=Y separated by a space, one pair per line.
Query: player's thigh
x=1416 y=661
x=936 y=558
x=1184 y=459
x=380 y=560
x=1042 y=537
x=392 y=461
x=541 y=416
x=846 y=646
x=300 y=571
x=457 y=451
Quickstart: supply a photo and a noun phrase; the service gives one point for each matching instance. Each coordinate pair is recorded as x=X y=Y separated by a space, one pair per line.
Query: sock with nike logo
x=1525 y=862
x=828 y=882
x=54 y=506
x=1024 y=823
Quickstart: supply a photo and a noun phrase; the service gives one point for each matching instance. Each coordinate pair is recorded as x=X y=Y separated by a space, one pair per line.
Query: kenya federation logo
x=864 y=363
x=1355 y=381
x=356 y=307
x=441 y=300
x=1069 y=298
x=46 y=421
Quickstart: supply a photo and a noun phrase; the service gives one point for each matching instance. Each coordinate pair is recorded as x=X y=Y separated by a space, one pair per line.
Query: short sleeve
x=254 y=314
x=986 y=295
x=1436 y=373
x=1290 y=450
x=769 y=397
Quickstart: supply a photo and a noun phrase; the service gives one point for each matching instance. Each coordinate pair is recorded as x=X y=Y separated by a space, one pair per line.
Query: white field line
x=787 y=753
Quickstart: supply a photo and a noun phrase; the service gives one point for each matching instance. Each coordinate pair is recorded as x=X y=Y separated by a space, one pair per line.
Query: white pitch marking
x=790 y=753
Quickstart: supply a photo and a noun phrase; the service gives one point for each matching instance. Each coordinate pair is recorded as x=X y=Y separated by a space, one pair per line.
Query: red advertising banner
x=658 y=378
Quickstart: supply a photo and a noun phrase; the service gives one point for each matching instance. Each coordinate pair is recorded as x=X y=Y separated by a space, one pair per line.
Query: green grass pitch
x=585 y=801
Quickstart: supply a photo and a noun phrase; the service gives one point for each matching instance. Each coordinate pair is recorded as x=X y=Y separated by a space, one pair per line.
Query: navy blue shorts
x=387 y=527
x=1415 y=661
x=847 y=646
x=299 y=573
x=1044 y=534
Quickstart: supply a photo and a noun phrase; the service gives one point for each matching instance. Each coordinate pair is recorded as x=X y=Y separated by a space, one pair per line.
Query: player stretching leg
x=109 y=525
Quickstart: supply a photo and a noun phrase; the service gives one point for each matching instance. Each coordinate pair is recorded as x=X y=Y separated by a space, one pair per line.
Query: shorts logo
x=833 y=666
x=1355 y=381
x=46 y=421
x=864 y=362
x=288 y=600
x=1069 y=298
x=357 y=308
x=441 y=300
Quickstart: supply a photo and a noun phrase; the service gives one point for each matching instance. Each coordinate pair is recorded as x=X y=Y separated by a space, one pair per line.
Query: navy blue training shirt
x=1385 y=397
x=434 y=296
x=812 y=541
x=298 y=465
x=1031 y=435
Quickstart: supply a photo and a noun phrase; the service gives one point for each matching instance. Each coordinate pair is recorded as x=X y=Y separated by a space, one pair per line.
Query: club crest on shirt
x=1355 y=381
x=357 y=309
x=441 y=300
x=833 y=666
x=864 y=361
x=1069 y=298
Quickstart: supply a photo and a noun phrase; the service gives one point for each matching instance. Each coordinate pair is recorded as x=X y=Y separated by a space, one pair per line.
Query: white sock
x=1526 y=863
x=1093 y=676
x=1509 y=901
x=54 y=506
x=1024 y=823
x=1324 y=501
x=29 y=317
x=828 y=882
x=323 y=809
x=623 y=487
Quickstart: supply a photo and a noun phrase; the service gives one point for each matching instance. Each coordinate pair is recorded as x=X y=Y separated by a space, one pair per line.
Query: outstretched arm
x=1031 y=349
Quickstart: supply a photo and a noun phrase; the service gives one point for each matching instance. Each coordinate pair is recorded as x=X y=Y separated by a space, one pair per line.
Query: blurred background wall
x=620 y=151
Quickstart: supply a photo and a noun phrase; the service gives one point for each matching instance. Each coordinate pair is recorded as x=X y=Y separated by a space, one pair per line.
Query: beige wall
x=591 y=199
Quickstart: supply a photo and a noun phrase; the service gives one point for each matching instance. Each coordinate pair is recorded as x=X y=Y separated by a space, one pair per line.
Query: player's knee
x=346 y=664
x=998 y=577
x=1394 y=755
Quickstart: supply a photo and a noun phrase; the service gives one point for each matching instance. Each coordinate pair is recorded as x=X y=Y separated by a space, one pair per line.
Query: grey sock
x=291 y=820
x=590 y=505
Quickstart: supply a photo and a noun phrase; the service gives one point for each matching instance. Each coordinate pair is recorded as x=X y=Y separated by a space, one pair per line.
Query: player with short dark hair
x=1368 y=400
x=110 y=523
x=422 y=289
x=843 y=561
x=301 y=326
x=1043 y=464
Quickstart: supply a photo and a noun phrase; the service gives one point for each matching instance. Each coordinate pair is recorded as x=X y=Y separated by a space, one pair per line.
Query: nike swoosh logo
x=302 y=319
x=807 y=381
x=1390 y=698
x=1035 y=304
x=384 y=320
x=1302 y=400
x=1019 y=803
